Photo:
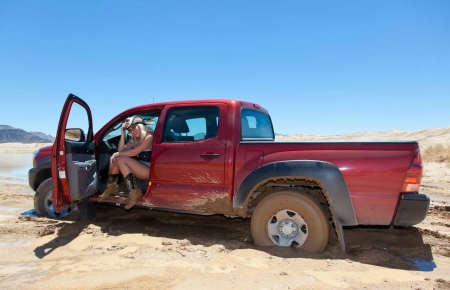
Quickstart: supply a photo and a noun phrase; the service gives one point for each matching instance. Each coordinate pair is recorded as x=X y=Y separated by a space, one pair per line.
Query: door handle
x=210 y=155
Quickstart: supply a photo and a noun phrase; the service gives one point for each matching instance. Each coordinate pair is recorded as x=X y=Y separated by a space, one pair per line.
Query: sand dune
x=21 y=148
x=424 y=137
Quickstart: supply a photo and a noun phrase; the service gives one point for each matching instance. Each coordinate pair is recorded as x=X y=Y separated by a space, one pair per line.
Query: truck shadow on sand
x=385 y=247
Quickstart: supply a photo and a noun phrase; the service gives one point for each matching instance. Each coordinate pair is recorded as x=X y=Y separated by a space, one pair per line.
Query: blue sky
x=319 y=67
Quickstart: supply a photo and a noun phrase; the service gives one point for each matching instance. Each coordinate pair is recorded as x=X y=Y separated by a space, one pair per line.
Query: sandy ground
x=144 y=249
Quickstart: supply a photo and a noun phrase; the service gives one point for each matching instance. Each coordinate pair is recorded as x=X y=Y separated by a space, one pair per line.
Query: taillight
x=413 y=175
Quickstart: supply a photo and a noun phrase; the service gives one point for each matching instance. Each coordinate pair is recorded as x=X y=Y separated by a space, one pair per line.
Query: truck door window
x=191 y=124
x=256 y=124
x=113 y=135
x=77 y=124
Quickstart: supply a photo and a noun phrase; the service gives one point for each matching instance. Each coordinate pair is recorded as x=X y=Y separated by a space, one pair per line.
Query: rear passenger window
x=191 y=124
x=256 y=124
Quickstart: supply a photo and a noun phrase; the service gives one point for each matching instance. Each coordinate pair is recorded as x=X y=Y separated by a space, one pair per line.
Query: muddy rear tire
x=290 y=219
x=43 y=203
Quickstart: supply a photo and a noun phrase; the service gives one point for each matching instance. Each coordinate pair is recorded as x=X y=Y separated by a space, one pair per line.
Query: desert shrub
x=437 y=153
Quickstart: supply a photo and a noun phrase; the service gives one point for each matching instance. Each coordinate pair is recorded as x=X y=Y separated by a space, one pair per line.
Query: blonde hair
x=145 y=131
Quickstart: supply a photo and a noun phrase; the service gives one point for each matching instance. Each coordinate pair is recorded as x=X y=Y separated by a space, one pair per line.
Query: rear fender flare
x=326 y=174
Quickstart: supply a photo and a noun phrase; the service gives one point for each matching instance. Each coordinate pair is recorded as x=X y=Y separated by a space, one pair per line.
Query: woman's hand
x=113 y=159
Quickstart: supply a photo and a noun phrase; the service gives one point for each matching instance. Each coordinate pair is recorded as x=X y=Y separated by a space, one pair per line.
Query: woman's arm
x=146 y=144
x=122 y=145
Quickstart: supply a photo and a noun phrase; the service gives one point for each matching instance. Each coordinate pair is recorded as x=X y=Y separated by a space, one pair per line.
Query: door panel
x=73 y=162
x=188 y=166
x=82 y=170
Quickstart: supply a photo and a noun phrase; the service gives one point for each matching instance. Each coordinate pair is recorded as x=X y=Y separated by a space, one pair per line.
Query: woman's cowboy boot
x=111 y=187
x=135 y=191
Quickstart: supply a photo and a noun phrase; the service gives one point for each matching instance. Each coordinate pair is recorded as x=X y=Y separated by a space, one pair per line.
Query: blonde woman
x=132 y=160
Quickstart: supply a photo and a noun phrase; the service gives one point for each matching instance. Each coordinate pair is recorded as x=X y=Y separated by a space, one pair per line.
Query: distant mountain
x=10 y=134
x=43 y=136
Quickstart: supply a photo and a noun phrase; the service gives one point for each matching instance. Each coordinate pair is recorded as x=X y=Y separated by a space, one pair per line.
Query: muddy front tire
x=290 y=219
x=43 y=203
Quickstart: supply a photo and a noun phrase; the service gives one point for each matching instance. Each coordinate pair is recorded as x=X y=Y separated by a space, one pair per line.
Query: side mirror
x=75 y=134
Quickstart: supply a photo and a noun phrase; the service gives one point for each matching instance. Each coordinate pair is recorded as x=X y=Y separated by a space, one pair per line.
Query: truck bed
x=373 y=171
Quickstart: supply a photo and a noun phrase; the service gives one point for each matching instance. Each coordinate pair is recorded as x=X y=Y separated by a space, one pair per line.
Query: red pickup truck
x=220 y=157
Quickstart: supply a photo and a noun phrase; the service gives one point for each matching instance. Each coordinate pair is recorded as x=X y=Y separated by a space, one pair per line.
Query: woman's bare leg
x=113 y=166
x=131 y=168
x=129 y=165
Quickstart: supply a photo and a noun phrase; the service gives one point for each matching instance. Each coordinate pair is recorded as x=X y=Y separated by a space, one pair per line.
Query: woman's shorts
x=145 y=162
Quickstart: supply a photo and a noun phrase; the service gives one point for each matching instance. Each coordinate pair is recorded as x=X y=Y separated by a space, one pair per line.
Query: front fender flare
x=33 y=173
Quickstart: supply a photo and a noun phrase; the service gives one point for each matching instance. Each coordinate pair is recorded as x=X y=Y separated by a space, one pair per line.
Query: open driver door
x=74 y=167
